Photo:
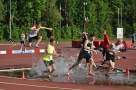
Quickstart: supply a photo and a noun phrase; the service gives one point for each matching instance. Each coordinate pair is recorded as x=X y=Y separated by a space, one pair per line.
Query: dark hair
x=38 y=23
x=92 y=35
x=52 y=39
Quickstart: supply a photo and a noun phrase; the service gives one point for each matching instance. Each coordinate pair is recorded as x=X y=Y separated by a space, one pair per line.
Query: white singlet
x=33 y=33
x=115 y=48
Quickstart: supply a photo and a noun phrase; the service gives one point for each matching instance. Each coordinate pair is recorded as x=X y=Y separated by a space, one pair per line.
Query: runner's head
x=119 y=41
x=92 y=37
x=52 y=41
x=38 y=25
x=104 y=31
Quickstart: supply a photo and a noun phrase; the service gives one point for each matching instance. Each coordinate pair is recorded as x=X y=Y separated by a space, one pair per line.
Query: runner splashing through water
x=48 y=57
x=110 y=55
x=86 y=52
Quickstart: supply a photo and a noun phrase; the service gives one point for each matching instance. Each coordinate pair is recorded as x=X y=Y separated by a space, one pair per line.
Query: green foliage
x=134 y=26
x=43 y=33
x=68 y=20
x=15 y=33
x=2 y=10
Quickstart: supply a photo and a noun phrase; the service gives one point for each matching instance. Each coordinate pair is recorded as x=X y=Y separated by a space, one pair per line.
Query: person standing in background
x=22 y=41
x=106 y=44
x=133 y=40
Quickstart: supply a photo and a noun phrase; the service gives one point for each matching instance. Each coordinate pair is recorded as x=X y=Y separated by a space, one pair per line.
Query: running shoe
x=103 y=62
x=124 y=57
x=107 y=75
x=97 y=68
x=36 y=46
x=49 y=75
x=90 y=73
x=24 y=48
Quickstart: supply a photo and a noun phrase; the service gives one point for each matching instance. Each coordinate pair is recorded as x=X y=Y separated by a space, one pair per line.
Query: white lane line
x=38 y=86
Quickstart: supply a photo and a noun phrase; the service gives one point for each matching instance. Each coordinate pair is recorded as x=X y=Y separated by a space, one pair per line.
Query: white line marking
x=2 y=89
x=38 y=86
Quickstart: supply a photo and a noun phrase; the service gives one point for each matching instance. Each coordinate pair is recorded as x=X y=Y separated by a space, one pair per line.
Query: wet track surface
x=78 y=74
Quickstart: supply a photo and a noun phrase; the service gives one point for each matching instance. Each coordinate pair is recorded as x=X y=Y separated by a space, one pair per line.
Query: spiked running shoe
x=90 y=73
x=49 y=75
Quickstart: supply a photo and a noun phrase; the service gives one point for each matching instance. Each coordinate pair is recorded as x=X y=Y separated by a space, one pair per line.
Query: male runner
x=34 y=33
x=48 y=57
x=111 y=53
x=86 y=52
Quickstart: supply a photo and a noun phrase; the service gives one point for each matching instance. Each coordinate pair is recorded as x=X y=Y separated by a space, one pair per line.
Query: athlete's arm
x=32 y=28
x=93 y=48
x=87 y=48
x=85 y=34
x=55 y=53
x=45 y=28
x=110 y=49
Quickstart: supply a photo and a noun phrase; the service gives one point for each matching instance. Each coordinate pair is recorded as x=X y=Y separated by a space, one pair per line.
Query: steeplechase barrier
x=22 y=51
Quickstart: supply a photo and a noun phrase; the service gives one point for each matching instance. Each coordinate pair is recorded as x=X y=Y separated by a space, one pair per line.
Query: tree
x=2 y=10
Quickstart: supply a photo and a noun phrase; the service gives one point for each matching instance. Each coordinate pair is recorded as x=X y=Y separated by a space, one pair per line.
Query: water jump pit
x=79 y=75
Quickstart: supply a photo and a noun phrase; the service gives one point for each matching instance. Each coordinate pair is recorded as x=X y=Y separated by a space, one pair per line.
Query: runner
x=110 y=55
x=84 y=38
x=22 y=41
x=105 y=45
x=48 y=57
x=133 y=40
x=34 y=33
x=86 y=52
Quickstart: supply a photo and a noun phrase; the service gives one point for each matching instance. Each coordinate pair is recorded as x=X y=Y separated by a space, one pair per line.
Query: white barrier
x=22 y=51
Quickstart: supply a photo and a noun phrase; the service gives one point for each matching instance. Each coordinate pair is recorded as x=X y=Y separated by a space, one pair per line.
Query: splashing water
x=78 y=74
x=62 y=65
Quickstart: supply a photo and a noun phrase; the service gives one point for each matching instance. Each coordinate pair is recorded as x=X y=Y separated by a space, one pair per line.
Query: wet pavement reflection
x=115 y=79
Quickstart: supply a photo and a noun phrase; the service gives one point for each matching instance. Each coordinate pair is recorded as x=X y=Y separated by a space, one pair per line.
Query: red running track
x=25 y=60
